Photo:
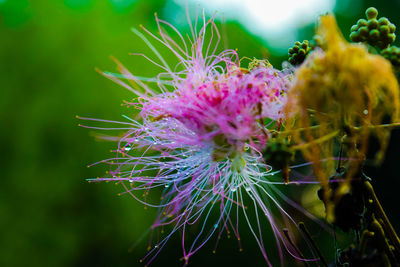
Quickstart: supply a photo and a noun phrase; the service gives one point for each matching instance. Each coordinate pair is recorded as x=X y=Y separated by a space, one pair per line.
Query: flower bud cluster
x=373 y=31
x=392 y=54
x=299 y=52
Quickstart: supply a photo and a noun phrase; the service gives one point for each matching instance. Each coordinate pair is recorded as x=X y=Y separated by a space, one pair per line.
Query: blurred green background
x=50 y=216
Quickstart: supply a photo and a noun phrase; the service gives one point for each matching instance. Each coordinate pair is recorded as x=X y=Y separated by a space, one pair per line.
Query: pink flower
x=200 y=136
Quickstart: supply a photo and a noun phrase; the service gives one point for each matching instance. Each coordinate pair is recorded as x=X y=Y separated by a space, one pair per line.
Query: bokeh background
x=49 y=49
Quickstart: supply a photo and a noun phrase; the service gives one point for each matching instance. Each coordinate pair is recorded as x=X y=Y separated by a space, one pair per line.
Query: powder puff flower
x=341 y=94
x=199 y=139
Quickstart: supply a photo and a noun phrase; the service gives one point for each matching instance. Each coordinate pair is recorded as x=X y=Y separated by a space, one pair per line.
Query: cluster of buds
x=373 y=31
x=392 y=54
x=299 y=52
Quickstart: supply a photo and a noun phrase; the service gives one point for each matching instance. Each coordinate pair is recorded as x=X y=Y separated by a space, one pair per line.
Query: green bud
x=374 y=35
x=384 y=29
x=355 y=37
x=296 y=48
x=373 y=24
x=371 y=13
x=392 y=28
x=363 y=31
x=297 y=43
x=354 y=28
x=391 y=38
x=383 y=21
x=362 y=22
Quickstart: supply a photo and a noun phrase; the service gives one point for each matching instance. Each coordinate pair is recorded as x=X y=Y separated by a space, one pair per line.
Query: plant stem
x=286 y=232
x=339 y=167
x=317 y=141
x=381 y=214
x=304 y=230
x=380 y=238
x=365 y=238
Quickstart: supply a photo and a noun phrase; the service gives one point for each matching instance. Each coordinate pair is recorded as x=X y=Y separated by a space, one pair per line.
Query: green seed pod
x=371 y=13
x=372 y=24
x=354 y=28
x=383 y=21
